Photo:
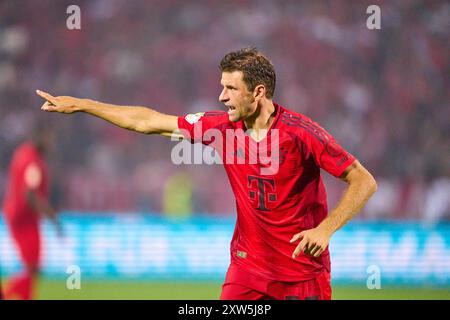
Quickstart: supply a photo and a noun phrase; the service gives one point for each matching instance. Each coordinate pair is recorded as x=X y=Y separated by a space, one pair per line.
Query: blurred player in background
x=26 y=198
x=273 y=211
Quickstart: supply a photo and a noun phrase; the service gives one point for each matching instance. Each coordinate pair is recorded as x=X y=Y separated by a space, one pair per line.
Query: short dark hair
x=257 y=69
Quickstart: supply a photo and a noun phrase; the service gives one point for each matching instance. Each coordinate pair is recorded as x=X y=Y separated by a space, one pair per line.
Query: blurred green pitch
x=160 y=290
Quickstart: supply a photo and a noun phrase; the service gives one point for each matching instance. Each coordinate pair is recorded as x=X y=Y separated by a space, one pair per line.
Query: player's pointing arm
x=139 y=119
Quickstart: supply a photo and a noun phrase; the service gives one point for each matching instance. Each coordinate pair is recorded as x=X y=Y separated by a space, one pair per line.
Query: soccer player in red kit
x=26 y=198
x=279 y=248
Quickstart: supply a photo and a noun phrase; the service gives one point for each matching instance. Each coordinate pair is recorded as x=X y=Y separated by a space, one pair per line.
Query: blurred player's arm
x=41 y=205
x=361 y=186
x=135 y=118
x=33 y=178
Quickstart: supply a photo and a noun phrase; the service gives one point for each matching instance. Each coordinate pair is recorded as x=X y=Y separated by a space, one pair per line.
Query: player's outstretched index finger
x=45 y=95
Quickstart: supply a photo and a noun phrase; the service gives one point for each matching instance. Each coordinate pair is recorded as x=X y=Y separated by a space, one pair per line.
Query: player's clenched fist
x=313 y=242
x=64 y=104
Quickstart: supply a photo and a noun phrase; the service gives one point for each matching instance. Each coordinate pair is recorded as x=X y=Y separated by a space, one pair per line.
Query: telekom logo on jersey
x=236 y=146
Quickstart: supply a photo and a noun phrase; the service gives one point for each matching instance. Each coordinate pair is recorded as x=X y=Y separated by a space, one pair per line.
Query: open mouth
x=231 y=109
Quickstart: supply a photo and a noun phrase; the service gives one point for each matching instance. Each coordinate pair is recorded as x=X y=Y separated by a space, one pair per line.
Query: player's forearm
x=40 y=205
x=355 y=197
x=140 y=119
x=129 y=117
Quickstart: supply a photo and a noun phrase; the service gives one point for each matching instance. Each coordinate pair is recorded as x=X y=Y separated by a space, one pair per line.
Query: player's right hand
x=63 y=104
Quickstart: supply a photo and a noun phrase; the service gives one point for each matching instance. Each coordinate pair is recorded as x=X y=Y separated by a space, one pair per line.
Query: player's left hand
x=314 y=242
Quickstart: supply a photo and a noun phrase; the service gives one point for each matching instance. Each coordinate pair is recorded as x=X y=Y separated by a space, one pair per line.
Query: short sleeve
x=328 y=154
x=203 y=126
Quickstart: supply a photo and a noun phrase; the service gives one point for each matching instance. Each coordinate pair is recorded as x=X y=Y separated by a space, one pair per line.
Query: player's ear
x=259 y=92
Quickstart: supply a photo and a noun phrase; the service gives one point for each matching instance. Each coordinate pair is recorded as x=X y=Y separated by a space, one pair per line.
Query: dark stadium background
x=382 y=93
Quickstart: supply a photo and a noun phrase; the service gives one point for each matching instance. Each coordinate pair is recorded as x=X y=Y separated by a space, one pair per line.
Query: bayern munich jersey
x=277 y=185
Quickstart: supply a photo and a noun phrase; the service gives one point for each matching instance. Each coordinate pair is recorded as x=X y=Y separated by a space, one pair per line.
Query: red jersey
x=283 y=200
x=27 y=171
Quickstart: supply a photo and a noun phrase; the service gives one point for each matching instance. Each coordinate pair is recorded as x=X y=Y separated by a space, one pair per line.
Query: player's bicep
x=159 y=123
x=175 y=135
x=174 y=128
x=350 y=171
x=356 y=172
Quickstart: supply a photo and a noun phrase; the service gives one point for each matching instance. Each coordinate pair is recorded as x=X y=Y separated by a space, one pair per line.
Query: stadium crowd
x=382 y=93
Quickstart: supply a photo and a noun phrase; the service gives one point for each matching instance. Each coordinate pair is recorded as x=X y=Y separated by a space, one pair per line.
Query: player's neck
x=263 y=117
x=261 y=121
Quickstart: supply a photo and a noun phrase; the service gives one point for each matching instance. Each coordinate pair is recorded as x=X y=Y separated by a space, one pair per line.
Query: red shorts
x=242 y=285
x=27 y=238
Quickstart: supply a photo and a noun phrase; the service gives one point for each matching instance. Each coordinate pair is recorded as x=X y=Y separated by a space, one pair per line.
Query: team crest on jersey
x=194 y=117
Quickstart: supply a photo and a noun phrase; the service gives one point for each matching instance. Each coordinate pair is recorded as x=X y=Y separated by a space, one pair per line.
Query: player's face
x=236 y=96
